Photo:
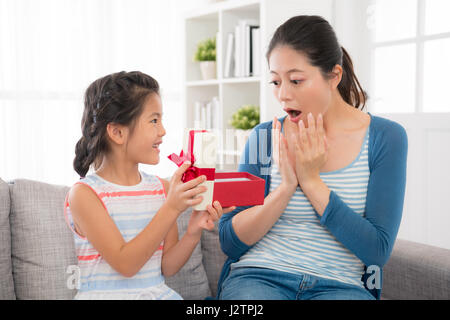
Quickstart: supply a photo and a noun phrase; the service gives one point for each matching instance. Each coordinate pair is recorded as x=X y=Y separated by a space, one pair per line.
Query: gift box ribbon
x=192 y=172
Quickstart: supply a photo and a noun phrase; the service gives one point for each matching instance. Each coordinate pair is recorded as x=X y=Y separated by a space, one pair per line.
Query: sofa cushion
x=43 y=249
x=6 y=278
x=213 y=257
x=191 y=282
x=42 y=245
x=417 y=271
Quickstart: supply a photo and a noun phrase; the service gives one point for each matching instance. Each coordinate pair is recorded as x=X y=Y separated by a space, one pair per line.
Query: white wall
x=350 y=25
x=51 y=50
x=426 y=214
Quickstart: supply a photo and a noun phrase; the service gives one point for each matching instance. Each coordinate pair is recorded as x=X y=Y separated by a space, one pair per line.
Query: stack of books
x=243 y=51
x=207 y=114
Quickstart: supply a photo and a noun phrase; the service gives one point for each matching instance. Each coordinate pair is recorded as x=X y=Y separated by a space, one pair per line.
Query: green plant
x=206 y=50
x=246 y=117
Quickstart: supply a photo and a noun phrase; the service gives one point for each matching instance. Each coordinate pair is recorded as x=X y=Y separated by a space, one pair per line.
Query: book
x=237 y=51
x=256 y=51
x=218 y=56
x=198 y=114
x=243 y=46
x=208 y=115
x=229 y=57
x=215 y=112
x=247 y=50
x=203 y=117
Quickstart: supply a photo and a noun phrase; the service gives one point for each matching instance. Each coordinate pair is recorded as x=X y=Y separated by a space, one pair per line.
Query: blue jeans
x=248 y=283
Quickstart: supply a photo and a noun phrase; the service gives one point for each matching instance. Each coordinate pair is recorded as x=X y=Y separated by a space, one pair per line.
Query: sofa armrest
x=6 y=277
x=417 y=271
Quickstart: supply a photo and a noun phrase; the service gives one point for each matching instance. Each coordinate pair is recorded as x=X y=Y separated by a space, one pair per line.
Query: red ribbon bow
x=192 y=172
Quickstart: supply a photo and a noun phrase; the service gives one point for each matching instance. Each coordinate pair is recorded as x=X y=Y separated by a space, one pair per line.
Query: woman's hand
x=183 y=195
x=205 y=219
x=311 y=151
x=282 y=158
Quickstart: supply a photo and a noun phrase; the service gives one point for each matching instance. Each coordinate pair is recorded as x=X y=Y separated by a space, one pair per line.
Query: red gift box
x=246 y=192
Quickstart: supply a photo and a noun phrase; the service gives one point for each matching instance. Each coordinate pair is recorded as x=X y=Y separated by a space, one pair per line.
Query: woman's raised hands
x=282 y=158
x=311 y=150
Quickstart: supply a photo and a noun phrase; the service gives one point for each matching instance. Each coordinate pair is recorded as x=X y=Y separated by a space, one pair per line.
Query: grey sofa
x=36 y=252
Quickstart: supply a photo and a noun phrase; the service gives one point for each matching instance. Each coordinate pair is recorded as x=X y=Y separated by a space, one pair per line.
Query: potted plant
x=206 y=55
x=243 y=120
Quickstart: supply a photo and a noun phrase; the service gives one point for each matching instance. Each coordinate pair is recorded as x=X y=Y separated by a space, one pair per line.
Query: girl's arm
x=128 y=258
x=177 y=253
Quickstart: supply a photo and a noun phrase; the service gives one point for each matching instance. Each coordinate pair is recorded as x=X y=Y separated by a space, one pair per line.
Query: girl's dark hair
x=117 y=98
x=313 y=36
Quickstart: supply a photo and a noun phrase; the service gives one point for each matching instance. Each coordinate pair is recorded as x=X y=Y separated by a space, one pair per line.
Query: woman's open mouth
x=294 y=115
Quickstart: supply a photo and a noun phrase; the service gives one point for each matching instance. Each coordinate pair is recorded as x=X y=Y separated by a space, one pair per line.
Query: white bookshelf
x=219 y=19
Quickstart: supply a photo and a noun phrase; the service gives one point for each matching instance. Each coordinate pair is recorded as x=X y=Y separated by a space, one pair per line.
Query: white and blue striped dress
x=131 y=208
x=299 y=243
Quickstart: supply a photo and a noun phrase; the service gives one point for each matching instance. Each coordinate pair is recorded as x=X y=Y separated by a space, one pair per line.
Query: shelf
x=214 y=82
x=201 y=83
x=230 y=5
x=241 y=80
x=219 y=20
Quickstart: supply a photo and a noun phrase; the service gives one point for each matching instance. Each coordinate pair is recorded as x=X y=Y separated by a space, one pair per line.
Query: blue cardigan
x=371 y=238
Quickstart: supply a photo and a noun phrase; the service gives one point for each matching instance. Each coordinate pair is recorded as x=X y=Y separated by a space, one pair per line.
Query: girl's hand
x=183 y=195
x=205 y=219
x=283 y=159
x=311 y=150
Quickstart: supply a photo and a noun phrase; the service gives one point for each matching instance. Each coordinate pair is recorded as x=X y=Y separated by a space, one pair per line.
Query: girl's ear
x=117 y=133
x=335 y=76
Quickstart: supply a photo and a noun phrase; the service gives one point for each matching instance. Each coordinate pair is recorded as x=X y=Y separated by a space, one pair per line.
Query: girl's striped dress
x=131 y=208
x=299 y=243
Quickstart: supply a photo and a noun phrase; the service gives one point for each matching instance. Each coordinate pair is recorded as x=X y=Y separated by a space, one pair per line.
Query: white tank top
x=131 y=208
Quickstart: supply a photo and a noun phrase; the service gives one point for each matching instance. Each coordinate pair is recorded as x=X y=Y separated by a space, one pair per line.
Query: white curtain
x=51 y=50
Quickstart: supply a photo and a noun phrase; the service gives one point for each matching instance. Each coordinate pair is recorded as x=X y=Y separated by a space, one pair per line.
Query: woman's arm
x=252 y=224
x=372 y=237
x=247 y=225
x=230 y=243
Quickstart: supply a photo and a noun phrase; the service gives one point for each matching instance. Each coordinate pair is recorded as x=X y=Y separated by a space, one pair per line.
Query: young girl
x=124 y=220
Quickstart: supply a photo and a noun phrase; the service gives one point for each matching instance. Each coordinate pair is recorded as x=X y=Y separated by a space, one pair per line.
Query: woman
x=335 y=181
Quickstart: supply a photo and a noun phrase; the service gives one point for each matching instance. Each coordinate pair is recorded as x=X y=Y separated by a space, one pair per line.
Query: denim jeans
x=248 y=283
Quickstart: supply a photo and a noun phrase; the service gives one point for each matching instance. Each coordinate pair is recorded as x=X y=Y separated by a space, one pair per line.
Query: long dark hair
x=314 y=37
x=116 y=98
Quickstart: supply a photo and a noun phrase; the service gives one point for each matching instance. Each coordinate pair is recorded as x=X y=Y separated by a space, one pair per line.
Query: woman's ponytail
x=349 y=87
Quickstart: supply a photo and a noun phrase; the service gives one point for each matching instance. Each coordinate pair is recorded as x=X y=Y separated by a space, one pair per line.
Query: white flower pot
x=208 y=69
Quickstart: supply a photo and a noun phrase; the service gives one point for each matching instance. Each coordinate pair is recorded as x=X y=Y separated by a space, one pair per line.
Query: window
x=51 y=50
x=410 y=52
